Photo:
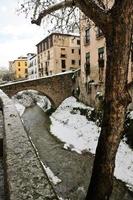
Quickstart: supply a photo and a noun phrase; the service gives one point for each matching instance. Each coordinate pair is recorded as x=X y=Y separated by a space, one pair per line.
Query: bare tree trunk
x=116 y=101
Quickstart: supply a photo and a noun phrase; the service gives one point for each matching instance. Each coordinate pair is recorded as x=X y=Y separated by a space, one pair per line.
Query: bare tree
x=117 y=25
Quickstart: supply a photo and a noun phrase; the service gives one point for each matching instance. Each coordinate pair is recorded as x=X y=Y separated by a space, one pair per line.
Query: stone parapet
x=57 y=87
x=1 y=133
x=25 y=178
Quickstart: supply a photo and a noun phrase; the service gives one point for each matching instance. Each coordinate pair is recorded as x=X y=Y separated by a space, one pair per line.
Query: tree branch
x=101 y=4
x=55 y=7
x=99 y=16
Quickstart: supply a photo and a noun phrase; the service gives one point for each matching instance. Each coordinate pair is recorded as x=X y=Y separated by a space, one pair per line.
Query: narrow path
x=73 y=169
x=2 y=194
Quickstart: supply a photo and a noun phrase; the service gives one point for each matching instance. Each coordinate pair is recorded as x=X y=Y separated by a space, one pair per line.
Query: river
x=73 y=169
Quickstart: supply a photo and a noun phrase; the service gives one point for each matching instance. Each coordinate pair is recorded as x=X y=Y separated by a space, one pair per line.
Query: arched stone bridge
x=56 y=88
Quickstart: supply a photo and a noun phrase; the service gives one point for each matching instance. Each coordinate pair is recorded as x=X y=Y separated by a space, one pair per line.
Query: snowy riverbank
x=29 y=98
x=78 y=133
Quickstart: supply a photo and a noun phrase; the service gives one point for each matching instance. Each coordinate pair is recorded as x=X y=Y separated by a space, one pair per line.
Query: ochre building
x=18 y=68
x=58 y=53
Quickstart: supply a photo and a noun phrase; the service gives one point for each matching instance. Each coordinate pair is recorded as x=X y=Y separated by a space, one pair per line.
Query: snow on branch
x=55 y=7
x=94 y=11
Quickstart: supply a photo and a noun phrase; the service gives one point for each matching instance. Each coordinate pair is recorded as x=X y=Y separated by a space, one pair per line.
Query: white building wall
x=32 y=67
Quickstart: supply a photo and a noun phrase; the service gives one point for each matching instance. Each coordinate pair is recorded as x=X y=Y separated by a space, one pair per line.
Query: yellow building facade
x=18 y=68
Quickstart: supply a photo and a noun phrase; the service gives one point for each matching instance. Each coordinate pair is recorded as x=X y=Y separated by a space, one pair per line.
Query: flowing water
x=74 y=170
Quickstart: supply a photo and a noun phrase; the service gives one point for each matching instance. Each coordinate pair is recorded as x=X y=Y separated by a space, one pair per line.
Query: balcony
x=41 y=70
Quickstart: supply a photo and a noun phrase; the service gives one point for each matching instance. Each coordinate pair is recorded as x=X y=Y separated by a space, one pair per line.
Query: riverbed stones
x=25 y=179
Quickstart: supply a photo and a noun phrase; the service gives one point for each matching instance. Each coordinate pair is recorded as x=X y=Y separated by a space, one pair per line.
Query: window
x=73 y=62
x=101 y=53
x=51 y=41
x=40 y=48
x=72 y=50
x=87 y=36
x=43 y=46
x=87 y=64
x=25 y=63
x=19 y=69
x=18 y=63
x=46 y=71
x=79 y=62
x=48 y=55
x=78 y=42
x=63 y=55
x=87 y=57
x=63 y=64
x=99 y=33
x=26 y=71
x=101 y=63
x=79 y=51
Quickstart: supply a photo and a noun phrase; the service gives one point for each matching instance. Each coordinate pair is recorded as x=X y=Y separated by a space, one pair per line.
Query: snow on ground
x=79 y=134
x=20 y=108
x=54 y=179
x=28 y=98
x=73 y=129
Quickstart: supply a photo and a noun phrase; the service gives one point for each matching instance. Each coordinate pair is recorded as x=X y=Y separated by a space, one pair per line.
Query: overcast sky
x=17 y=35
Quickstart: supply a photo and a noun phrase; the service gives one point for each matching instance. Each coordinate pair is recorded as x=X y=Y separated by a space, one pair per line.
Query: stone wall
x=56 y=88
x=90 y=94
x=24 y=176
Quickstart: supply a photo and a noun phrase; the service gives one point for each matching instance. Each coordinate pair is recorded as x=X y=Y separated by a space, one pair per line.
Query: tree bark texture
x=117 y=26
x=118 y=42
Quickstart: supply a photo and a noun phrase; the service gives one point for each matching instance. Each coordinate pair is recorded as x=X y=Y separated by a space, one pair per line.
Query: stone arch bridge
x=56 y=88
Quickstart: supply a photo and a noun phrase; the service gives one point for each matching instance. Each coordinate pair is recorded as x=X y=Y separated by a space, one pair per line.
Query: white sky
x=17 y=35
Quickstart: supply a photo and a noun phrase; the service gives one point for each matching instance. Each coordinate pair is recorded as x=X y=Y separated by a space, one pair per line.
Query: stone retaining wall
x=25 y=178
x=1 y=133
